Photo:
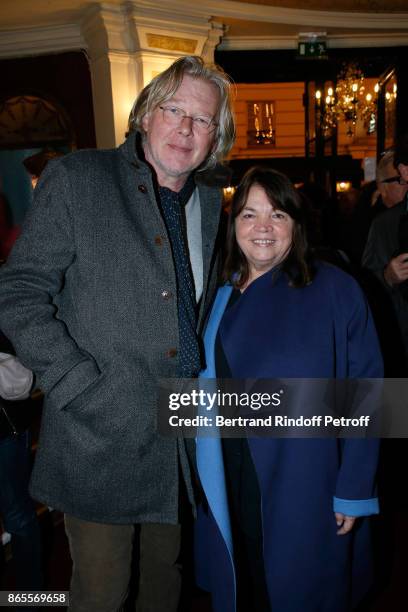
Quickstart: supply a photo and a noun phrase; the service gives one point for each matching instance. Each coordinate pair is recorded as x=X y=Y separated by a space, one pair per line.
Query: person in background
x=16 y=506
x=8 y=231
x=386 y=251
x=35 y=164
x=298 y=508
x=392 y=190
x=369 y=205
x=385 y=261
x=104 y=293
x=17 y=509
x=387 y=191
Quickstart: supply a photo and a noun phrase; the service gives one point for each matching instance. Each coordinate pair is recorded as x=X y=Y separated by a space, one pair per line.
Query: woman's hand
x=344 y=522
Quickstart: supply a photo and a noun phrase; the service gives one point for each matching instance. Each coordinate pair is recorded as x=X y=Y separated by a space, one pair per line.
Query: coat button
x=142 y=188
x=171 y=352
x=158 y=240
x=166 y=295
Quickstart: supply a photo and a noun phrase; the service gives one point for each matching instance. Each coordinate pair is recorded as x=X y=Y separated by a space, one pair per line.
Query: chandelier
x=348 y=102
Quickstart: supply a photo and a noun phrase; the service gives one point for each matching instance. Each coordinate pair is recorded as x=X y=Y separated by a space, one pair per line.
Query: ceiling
x=363 y=6
x=24 y=13
x=237 y=27
x=245 y=24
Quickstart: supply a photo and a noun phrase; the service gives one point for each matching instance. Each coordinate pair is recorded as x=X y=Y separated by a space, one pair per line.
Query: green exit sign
x=312 y=50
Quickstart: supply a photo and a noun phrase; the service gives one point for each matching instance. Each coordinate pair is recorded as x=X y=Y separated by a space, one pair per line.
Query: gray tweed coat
x=88 y=298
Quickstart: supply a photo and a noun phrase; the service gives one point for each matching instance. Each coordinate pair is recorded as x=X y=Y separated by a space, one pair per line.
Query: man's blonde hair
x=163 y=87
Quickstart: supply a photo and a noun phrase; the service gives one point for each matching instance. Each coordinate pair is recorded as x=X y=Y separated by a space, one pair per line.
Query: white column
x=113 y=72
x=130 y=44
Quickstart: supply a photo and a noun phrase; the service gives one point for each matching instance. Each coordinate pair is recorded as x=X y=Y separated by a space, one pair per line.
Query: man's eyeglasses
x=394 y=179
x=175 y=116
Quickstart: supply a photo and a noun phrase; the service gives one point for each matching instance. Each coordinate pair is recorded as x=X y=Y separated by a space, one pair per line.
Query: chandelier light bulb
x=348 y=102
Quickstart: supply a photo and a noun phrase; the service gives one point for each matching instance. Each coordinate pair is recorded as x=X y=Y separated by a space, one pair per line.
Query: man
x=389 y=185
x=101 y=297
x=386 y=251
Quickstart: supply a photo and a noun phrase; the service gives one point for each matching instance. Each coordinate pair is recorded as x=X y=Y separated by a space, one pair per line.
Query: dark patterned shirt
x=173 y=208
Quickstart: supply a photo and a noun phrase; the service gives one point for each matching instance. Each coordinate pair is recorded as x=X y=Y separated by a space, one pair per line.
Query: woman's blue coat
x=324 y=330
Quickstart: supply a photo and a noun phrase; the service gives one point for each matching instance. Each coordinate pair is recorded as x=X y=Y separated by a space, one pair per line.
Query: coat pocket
x=75 y=386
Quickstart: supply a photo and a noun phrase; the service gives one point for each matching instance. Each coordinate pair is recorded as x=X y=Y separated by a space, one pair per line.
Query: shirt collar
x=184 y=194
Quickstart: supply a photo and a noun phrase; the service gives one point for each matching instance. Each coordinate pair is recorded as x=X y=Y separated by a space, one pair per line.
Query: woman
x=295 y=506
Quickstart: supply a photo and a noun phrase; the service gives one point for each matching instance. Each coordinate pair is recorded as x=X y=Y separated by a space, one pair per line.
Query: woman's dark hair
x=282 y=196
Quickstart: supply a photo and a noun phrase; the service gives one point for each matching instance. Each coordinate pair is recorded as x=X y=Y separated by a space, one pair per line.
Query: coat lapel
x=210 y=202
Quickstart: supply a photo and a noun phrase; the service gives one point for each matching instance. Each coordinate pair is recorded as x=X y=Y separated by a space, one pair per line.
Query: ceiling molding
x=334 y=41
x=106 y=29
x=112 y=27
x=38 y=41
x=342 y=41
x=274 y=14
x=255 y=43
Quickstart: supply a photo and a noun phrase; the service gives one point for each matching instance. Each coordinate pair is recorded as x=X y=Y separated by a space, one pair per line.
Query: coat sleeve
x=33 y=275
x=356 y=483
x=374 y=259
x=377 y=252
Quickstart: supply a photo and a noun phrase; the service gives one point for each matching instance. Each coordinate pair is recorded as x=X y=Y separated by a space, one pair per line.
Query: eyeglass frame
x=206 y=130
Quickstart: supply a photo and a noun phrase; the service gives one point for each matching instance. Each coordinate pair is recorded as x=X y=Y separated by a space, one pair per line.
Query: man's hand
x=396 y=271
x=345 y=523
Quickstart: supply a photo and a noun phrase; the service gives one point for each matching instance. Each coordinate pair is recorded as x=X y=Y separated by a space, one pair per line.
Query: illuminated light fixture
x=390 y=96
x=229 y=191
x=348 y=102
x=343 y=186
x=228 y=194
